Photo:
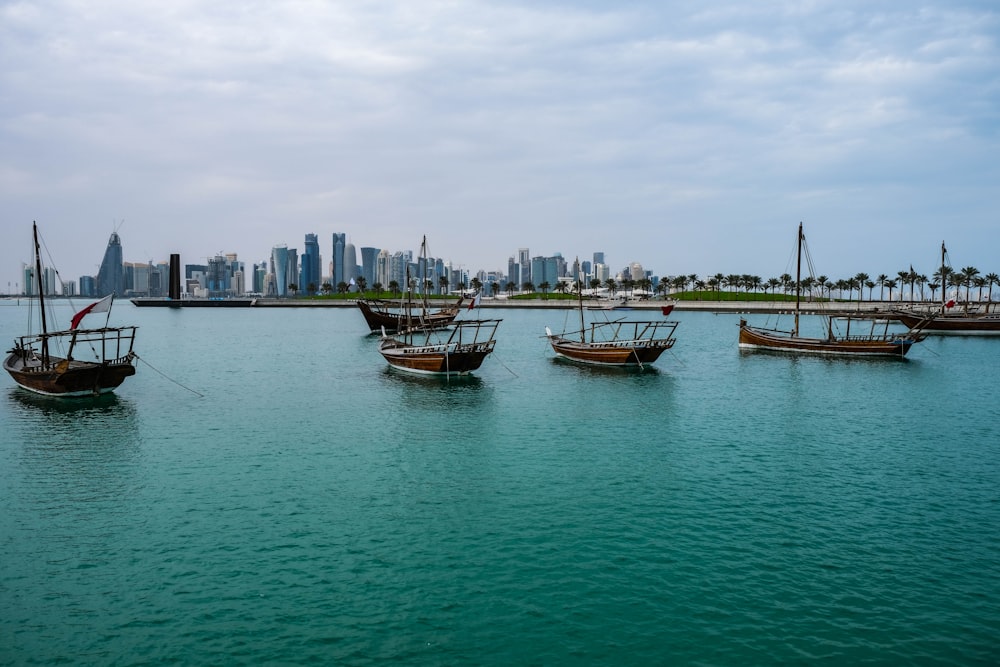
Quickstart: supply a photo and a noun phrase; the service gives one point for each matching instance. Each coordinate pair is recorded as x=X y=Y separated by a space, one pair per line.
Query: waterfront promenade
x=736 y=306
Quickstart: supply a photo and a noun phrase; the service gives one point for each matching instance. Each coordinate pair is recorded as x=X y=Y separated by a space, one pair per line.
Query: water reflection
x=392 y=376
x=73 y=450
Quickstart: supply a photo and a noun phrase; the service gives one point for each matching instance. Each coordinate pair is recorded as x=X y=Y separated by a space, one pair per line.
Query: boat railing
x=110 y=344
x=470 y=332
x=630 y=331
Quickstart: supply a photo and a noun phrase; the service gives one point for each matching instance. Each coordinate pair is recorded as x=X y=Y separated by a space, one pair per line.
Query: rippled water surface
x=312 y=506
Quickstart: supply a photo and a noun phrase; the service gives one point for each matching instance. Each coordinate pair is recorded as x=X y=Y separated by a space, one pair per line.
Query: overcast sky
x=689 y=136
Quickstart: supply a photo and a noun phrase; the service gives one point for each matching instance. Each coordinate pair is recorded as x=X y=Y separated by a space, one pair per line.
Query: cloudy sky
x=689 y=136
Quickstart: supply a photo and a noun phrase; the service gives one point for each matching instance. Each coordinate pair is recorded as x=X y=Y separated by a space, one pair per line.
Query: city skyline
x=692 y=138
x=228 y=275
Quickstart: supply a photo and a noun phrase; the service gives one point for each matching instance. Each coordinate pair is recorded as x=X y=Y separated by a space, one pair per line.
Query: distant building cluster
x=286 y=272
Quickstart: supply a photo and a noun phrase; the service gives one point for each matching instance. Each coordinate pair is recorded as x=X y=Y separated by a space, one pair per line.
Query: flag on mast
x=475 y=301
x=102 y=306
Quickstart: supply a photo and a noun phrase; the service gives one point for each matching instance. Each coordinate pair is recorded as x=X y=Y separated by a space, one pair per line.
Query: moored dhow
x=34 y=365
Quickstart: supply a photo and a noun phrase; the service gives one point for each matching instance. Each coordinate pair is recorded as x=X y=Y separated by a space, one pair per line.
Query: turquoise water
x=314 y=507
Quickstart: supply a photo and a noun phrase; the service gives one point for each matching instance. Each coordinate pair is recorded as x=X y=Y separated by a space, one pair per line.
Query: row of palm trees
x=968 y=278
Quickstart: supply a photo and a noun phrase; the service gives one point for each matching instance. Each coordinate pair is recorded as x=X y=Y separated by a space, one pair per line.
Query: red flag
x=950 y=304
x=102 y=306
x=475 y=301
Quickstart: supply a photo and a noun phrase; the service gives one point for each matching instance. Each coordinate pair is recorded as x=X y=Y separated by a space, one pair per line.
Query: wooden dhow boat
x=620 y=342
x=95 y=361
x=955 y=324
x=458 y=350
x=948 y=318
x=384 y=315
x=391 y=316
x=885 y=344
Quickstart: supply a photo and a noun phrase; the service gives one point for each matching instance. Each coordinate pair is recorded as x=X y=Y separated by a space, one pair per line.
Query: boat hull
x=436 y=359
x=752 y=338
x=957 y=325
x=379 y=316
x=616 y=353
x=69 y=379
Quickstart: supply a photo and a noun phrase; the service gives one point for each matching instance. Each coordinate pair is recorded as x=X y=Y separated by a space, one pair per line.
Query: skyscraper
x=524 y=260
x=111 y=276
x=279 y=269
x=369 y=258
x=311 y=276
x=350 y=263
x=339 y=241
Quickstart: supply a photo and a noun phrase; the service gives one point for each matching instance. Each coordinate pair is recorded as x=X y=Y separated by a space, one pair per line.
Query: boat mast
x=423 y=278
x=944 y=280
x=798 y=283
x=41 y=295
x=579 y=293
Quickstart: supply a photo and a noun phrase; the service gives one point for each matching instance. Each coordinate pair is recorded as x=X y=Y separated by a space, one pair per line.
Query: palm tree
x=713 y=284
x=510 y=287
x=933 y=287
x=528 y=287
x=969 y=274
x=860 y=281
x=903 y=277
x=921 y=282
x=891 y=284
x=476 y=284
x=326 y=287
x=544 y=286
x=560 y=287
x=979 y=282
x=394 y=287
x=293 y=288
x=377 y=287
x=612 y=286
x=443 y=285
x=495 y=289
x=733 y=281
x=646 y=284
x=880 y=281
x=991 y=280
x=773 y=284
x=807 y=285
x=663 y=286
x=362 y=284
x=786 y=282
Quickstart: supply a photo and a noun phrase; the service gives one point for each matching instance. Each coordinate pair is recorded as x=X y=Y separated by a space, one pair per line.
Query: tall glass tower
x=111 y=276
x=311 y=276
x=339 y=241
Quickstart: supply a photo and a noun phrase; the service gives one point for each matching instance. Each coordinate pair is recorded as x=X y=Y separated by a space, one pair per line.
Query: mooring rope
x=167 y=377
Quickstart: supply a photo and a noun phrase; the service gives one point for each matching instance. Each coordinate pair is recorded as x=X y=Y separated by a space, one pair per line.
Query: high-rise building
x=513 y=272
x=217 y=276
x=369 y=259
x=350 y=264
x=337 y=275
x=598 y=258
x=311 y=277
x=88 y=286
x=279 y=269
x=292 y=268
x=524 y=260
x=111 y=276
x=382 y=268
